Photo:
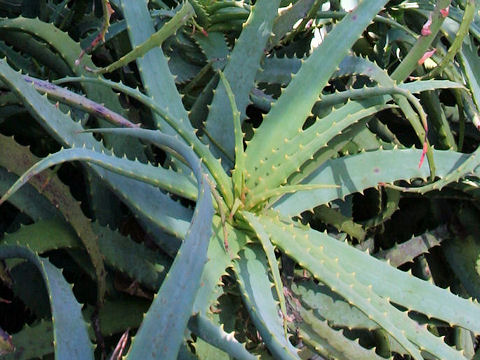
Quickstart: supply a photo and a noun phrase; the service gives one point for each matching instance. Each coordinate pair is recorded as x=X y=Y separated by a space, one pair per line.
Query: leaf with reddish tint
x=426 y=56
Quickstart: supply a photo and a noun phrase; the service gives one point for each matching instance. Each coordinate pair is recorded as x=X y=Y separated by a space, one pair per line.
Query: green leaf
x=300 y=149
x=371 y=286
x=471 y=67
x=17 y=159
x=144 y=199
x=121 y=253
x=240 y=73
x=408 y=291
x=295 y=104
x=153 y=67
x=214 y=270
x=164 y=325
x=278 y=70
x=356 y=173
x=155 y=40
x=27 y=200
x=67 y=51
x=238 y=173
x=462 y=251
x=66 y=311
x=285 y=22
x=272 y=262
x=156 y=176
x=416 y=246
x=329 y=306
x=44 y=235
x=330 y=342
x=206 y=329
x=252 y=272
x=32 y=342
x=410 y=61
x=182 y=127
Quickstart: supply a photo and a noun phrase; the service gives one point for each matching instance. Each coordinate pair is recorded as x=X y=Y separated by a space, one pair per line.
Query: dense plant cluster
x=217 y=179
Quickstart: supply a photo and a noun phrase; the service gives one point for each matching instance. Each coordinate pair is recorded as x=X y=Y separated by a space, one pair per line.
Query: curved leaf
x=252 y=272
x=362 y=171
x=215 y=335
x=68 y=50
x=69 y=327
x=149 y=203
x=240 y=73
x=295 y=104
x=157 y=176
x=299 y=149
x=372 y=288
x=161 y=333
x=388 y=282
x=27 y=200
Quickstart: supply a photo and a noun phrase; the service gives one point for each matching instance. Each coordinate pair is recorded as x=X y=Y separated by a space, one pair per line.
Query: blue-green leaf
x=252 y=272
x=69 y=327
x=362 y=171
x=240 y=73
x=295 y=104
x=161 y=333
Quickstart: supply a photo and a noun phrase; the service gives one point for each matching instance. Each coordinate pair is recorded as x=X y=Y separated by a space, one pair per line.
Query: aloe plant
x=252 y=235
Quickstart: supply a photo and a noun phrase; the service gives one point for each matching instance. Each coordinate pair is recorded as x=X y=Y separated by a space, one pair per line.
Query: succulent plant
x=220 y=155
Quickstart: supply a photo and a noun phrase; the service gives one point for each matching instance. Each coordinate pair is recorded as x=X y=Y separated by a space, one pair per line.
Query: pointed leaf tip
x=424 y=152
x=445 y=11
x=427 y=55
